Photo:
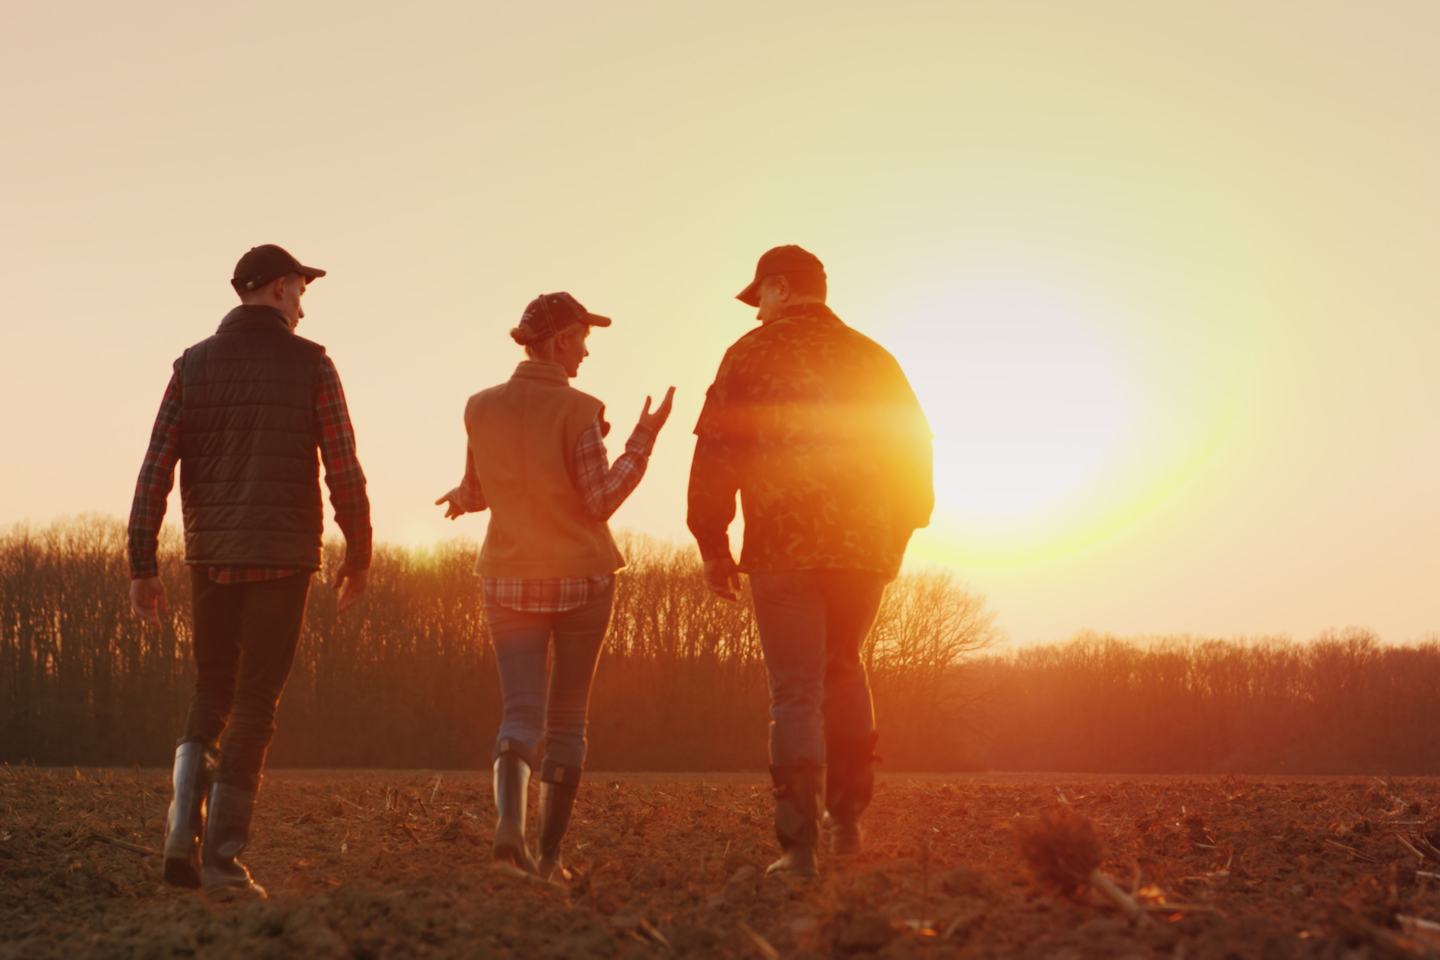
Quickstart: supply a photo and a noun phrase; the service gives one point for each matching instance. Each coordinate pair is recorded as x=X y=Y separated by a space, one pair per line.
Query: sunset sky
x=1165 y=276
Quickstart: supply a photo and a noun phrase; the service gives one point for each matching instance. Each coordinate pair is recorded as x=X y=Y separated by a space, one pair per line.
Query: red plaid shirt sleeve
x=157 y=476
x=342 y=467
x=604 y=486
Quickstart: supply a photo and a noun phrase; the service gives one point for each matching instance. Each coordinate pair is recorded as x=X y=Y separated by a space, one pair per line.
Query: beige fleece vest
x=522 y=435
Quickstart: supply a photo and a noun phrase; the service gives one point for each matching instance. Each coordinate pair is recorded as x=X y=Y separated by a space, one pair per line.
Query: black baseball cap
x=550 y=313
x=785 y=259
x=266 y=262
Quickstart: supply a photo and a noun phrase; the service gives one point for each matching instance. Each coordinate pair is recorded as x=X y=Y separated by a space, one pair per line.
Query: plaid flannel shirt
x=342 y=474
x=602 y=486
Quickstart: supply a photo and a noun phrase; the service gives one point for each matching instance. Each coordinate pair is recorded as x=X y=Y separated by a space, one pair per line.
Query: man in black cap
x=244 y=415
x=816 y=428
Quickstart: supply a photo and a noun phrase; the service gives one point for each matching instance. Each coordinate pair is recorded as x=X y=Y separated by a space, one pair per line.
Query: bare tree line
x=681 y=685
x=410 y=682
x=1342 y=703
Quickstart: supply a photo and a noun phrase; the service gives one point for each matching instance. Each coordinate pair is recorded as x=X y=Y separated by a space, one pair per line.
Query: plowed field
x=377 y=864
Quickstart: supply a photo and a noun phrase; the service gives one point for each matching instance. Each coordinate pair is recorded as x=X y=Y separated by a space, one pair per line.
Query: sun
x=1031 y=406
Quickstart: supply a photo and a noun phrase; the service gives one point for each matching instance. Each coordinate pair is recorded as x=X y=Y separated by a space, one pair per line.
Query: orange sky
x=1162 y=274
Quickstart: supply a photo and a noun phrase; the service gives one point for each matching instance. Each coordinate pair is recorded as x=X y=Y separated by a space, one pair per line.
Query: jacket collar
x=253 y=316
x=797 y=310
x=540 y=370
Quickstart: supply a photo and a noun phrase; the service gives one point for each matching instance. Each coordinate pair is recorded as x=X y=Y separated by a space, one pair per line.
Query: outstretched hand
x=453 y=508
x=654 y=421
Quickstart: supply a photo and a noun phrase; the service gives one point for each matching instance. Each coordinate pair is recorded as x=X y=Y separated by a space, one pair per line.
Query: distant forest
x=406 y=679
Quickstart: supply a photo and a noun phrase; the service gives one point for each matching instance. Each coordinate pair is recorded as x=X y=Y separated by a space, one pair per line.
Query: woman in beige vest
x=536 y=457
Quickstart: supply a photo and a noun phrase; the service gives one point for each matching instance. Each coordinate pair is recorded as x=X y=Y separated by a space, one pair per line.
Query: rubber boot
x=797 y=818
x=512 y=786
x=557 y=800
x=227 y=834
x=185 y=822
x=849 y=787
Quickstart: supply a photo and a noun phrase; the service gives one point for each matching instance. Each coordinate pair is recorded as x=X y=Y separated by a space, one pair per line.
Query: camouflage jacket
x=816 y=428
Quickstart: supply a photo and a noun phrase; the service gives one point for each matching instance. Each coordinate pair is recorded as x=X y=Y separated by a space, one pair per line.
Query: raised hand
x=654 y=421
x=453 y=508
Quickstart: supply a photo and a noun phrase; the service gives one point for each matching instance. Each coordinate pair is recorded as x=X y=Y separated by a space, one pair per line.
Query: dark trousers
x=245 y=636
x=812 y=624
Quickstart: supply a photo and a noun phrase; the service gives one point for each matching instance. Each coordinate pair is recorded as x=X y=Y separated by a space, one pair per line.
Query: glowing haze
x=1163 y=275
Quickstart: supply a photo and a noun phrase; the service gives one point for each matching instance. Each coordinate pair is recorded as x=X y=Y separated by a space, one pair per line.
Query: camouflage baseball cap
x=785 y=259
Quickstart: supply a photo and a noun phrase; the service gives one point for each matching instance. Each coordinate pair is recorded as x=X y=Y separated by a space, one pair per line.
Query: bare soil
x=376 y=864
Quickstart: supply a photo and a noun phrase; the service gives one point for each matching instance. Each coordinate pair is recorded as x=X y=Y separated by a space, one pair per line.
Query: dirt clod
x=862 y=932
x=965 y=881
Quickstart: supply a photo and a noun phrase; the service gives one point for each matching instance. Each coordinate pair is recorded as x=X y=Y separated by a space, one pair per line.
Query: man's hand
x=351 y=584
x=453 y=508
x=147 y=599
x=654 y=421
x=723 y=578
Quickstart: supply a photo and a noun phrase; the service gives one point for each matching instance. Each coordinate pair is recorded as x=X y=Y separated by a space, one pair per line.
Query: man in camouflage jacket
x=816 y=428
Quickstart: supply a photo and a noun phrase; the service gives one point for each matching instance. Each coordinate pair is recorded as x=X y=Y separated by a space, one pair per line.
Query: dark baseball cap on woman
x=786 y=259
x=268 y=262
x=550 y=313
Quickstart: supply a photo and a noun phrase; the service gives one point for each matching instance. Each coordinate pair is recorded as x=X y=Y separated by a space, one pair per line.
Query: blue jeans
x=812 y=623
x=531 y=717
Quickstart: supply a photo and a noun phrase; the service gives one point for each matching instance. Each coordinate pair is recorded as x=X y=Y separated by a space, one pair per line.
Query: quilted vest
x=249 y=466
